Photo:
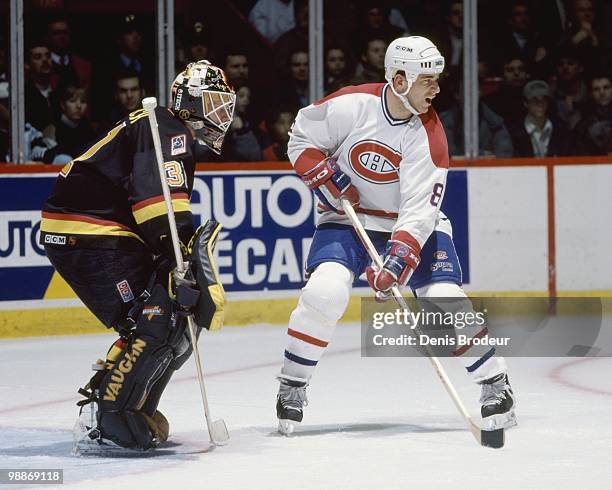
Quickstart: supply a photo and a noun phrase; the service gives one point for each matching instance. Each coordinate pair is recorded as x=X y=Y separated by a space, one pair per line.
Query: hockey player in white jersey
x=383 y=148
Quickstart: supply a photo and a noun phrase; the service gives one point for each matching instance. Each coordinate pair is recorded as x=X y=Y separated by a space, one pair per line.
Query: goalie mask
x=413 y=55
x=203 y=99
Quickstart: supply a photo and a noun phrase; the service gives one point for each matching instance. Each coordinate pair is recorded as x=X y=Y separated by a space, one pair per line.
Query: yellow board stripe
x=159 y=208
x=81 y=228
x=71 y=321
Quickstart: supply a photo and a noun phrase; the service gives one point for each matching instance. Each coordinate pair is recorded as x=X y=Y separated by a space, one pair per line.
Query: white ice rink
x=371 y=424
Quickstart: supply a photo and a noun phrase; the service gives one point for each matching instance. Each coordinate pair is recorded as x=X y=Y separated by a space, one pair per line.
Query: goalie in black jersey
x=105 y=230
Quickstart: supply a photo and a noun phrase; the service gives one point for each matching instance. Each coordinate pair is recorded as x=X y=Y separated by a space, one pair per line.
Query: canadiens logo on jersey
x=375 y=162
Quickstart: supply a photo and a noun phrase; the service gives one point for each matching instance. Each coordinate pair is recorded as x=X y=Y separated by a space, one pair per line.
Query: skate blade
x=286 y=426
x=502 y=421
x=102 y=449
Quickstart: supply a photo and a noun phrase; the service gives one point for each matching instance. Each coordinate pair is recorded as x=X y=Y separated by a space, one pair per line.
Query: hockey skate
x=498 y=402
x=88 y=440
x=290 y=401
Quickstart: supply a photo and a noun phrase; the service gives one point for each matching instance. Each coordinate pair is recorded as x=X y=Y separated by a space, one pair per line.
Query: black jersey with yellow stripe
x=111 y=195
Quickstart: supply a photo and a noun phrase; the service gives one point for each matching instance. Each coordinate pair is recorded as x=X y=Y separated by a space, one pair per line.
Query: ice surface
x=373 y=423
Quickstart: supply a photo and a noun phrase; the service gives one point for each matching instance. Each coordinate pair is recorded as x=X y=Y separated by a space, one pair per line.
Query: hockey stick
x=489 y=438
x=217 y=430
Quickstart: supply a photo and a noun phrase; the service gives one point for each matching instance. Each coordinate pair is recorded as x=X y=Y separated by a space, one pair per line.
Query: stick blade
x=219 y=433
x=492 y=438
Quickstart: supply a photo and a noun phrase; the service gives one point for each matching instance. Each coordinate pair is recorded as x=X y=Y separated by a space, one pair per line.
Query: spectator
x=493 y=136
x=520 y=40
x=35 y=144
x=272 y=18
x=337 y=68
x=129 y=57
x=593 y=132
x=241 y=143
x=39 y=86
x=450 y=40
x=583 y=33
x=130 y=44
x=371 y=69
x=537 y=135
x=504 y=100
x=235 y=64
x=295 y=91
x=71 y=130
x=570 y=89
x=128 y=94
x=274 y=142
x=375 y=16
x=66 y=64
x=294 y=39
x=197 y=44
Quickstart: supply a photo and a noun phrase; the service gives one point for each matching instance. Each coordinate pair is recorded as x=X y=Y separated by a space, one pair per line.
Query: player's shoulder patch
x=438 y=145
x=178 y=144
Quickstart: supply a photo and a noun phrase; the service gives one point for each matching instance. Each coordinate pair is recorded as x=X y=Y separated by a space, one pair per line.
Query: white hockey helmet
x=414 y=55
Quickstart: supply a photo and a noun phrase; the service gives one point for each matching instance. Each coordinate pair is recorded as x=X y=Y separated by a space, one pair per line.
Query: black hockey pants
x=106 y=280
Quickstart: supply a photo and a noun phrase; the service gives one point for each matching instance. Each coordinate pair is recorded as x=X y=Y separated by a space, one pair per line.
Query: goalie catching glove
x=400 y=260
x=331 y=184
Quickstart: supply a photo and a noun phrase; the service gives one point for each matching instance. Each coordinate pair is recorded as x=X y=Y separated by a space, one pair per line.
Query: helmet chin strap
x=403 y=97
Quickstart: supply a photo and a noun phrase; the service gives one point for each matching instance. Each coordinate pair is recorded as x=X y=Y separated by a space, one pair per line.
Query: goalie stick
x=217 y=430
x=489 y=438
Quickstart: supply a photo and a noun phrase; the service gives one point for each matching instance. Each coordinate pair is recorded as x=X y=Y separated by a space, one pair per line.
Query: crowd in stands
x=544 y=74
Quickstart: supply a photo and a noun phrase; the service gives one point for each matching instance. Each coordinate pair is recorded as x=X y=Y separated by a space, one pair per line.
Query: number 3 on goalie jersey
x=175 y=174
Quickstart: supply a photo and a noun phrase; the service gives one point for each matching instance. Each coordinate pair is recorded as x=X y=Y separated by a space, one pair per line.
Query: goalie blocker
x=154 y=339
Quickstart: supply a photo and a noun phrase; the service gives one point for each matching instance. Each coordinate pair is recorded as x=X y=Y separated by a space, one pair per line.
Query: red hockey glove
x=330 y=184
x=400 y=260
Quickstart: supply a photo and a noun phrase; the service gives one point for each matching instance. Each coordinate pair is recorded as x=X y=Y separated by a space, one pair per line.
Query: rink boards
x=499 y=216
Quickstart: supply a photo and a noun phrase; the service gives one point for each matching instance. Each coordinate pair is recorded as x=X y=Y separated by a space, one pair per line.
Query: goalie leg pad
x=125 y=388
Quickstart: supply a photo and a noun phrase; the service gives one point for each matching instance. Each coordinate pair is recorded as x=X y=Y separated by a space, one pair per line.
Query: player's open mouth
x=428 y=100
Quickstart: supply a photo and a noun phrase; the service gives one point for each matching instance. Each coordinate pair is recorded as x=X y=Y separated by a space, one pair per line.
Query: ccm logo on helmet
x=375 y=162
x=403 y=48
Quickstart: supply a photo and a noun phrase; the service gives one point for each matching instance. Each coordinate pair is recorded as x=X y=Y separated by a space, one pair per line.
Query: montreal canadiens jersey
x=398 y=166
x=111 y=195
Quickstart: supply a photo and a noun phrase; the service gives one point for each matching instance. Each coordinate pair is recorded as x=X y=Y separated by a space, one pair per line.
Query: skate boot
x=290 y=401
x=498 y=402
